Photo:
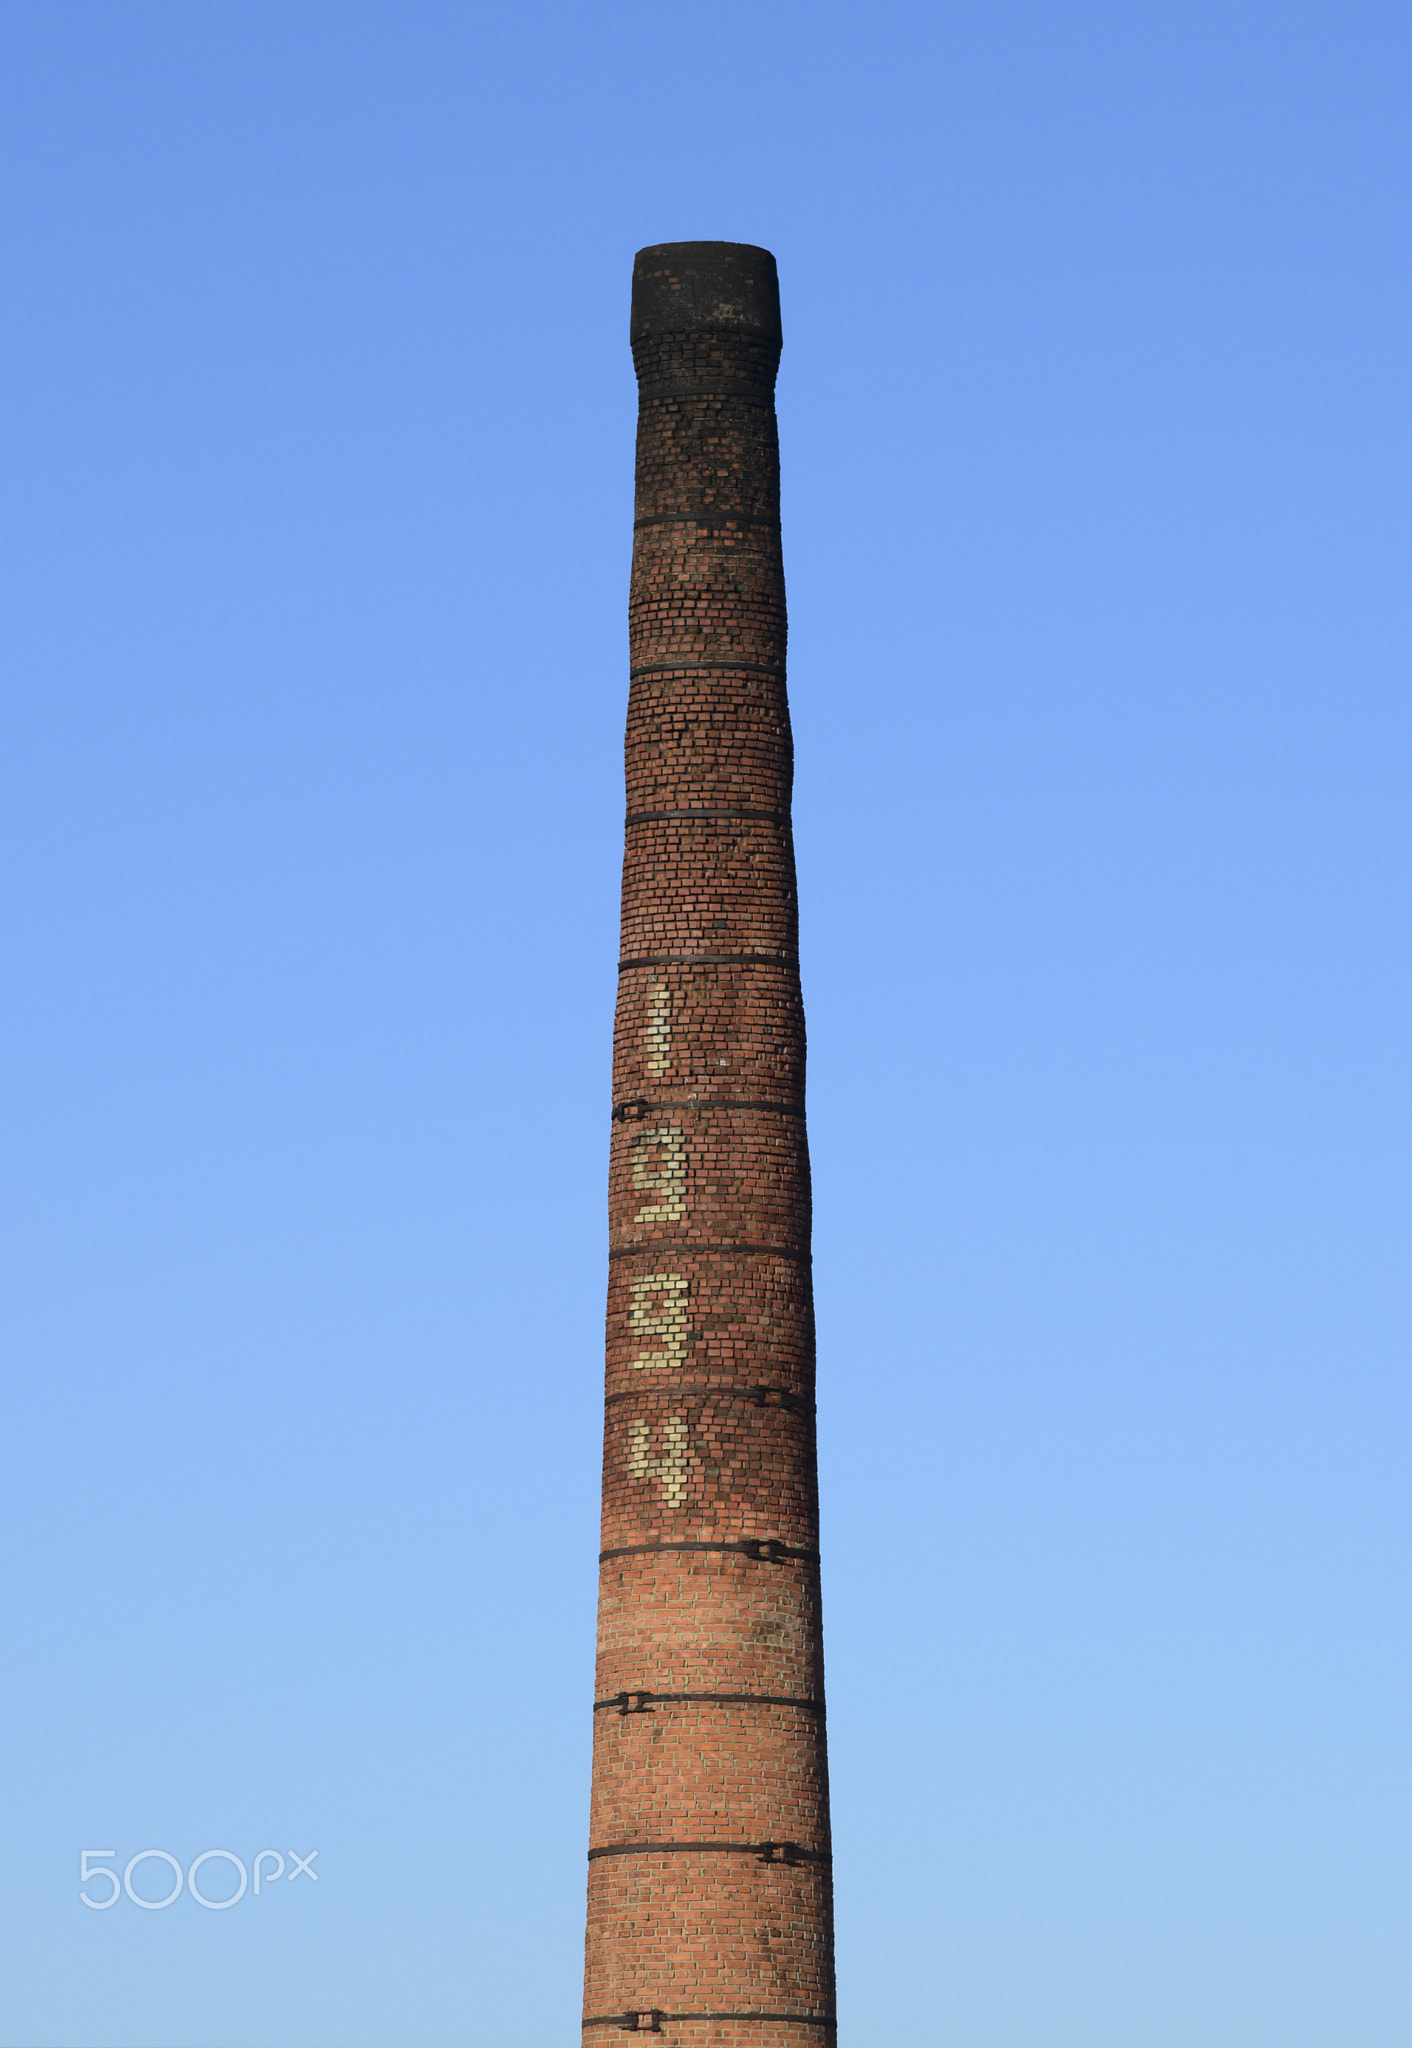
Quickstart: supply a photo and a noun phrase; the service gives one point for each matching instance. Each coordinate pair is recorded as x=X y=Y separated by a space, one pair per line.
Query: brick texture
x=709 y=1889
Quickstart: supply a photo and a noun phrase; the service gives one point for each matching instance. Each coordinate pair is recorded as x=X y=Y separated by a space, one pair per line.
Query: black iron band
x=671 y=668
x=642 y=1702
x=714 y=811
x=765 y=1852
x=708 y=959
x=636 y=1108
x=649 y=2020
x=707 y=516
x=676 y=1246
x=758 y=1397
x=753 y=394
x=764 y=1549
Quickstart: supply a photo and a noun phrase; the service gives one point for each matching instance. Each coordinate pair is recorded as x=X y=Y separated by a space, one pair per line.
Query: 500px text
x=93 y=1864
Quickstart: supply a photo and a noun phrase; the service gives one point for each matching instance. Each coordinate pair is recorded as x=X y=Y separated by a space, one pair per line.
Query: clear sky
x=316 y=497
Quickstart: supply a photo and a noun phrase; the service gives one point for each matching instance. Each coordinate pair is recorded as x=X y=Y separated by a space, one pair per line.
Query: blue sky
x=316 y=501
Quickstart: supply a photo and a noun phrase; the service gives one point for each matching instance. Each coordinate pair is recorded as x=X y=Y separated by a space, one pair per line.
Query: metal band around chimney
x=707 y=516
x=705 y=811
x=687 y=1247
x=765 y=1550
x=752 y=394
x=654 y=1381
x=632 y=2022
x=634 y=1108
x=706 y=959
x=713 y=1699
x=665 y=668
x=791 y=1854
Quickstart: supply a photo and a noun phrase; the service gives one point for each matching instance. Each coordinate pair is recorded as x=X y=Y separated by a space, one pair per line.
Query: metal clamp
x=634 y=1111
x=778 y=1397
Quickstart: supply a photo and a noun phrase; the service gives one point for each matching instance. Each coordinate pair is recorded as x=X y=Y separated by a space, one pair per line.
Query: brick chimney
x=709 y=1883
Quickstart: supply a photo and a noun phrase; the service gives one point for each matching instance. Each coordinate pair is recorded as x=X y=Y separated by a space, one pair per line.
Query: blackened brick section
x=709 y=1433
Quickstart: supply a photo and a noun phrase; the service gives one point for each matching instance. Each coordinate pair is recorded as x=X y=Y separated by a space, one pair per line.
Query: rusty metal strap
x=671 y=668
x=753 y=393
x=757 y=1396
x=765 y=1852
x=707 y=515
x=707 y=959
x=681 y=1247
x=648 y=2020
x=638 y=1107
x=642 y=1702
x=766 y=1549
x=653 y=817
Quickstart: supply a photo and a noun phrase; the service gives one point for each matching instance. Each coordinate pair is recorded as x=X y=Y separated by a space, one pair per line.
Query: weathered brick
x=709 y=1416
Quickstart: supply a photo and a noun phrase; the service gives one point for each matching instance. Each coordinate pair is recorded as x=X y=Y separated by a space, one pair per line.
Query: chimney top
x=686 y=287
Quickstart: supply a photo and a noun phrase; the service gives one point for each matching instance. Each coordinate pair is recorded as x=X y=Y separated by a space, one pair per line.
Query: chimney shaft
x=709 y=1887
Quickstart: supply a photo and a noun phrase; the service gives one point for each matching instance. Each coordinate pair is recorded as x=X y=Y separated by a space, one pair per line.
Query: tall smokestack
x=709 y=1889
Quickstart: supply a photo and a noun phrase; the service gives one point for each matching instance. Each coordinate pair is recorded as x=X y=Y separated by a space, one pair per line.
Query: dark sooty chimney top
x=705 y=287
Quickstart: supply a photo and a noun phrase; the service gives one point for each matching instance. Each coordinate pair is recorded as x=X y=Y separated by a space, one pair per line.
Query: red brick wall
x=709 y=1890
